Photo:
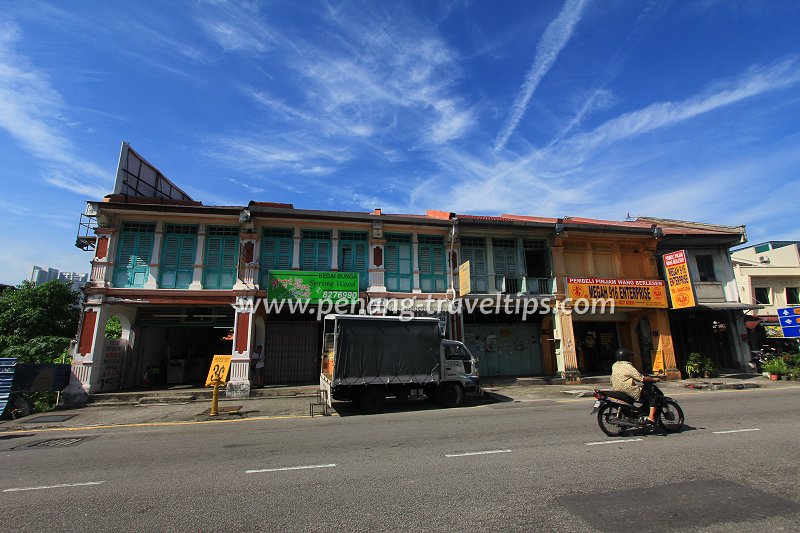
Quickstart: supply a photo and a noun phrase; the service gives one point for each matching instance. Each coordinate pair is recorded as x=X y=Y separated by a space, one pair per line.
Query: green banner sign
x=312 y=286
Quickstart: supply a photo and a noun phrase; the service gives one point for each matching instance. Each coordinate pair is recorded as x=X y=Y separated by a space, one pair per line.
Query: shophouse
x=768 y=275
x=712 y=323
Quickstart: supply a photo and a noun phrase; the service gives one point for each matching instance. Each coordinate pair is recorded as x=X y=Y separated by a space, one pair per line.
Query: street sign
x=220 y=366
x=790 y=321
x=679 y=280
x=464 y=287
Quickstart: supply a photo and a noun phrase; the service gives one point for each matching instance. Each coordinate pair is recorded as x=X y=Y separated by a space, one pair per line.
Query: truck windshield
x=456 y=352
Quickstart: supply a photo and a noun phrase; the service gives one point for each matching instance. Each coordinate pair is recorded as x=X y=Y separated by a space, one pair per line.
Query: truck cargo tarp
x=383 y=351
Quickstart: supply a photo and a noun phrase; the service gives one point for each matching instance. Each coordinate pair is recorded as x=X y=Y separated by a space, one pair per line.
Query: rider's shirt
x=624 y=377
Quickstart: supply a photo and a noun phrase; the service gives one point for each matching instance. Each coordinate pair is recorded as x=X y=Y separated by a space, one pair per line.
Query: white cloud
x=553 y=40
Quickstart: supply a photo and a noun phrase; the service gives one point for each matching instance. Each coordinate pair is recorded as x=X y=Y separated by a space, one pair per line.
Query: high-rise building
x=44 y=274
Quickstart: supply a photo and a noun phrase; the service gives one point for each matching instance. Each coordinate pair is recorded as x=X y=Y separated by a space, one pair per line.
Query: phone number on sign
x=339 y=295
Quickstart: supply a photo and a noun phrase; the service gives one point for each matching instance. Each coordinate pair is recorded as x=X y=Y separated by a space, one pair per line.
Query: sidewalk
x=293 y=402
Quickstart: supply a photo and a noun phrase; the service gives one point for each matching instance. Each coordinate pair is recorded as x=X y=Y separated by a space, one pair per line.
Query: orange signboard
x=679 y=280
x=624 y=292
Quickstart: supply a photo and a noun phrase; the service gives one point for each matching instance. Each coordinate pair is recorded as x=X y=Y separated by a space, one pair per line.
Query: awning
x=728 y=306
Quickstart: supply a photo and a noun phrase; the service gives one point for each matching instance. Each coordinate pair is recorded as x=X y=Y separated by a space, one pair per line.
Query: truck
x=366 y=359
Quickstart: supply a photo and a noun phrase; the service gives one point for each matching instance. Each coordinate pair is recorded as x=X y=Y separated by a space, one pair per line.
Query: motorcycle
x=617 y=412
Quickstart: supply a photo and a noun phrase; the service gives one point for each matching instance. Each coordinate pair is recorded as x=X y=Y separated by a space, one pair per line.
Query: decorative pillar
x=197 y=273
x=377 y=279
x=664 y=342
x=88 y=357
x=248 y=266
x=296 y=248
x=102 y=264
x=415 y=262
x=491 y=285
x=243 y=337
x=155 y=257
x=334 y=250
x=568 y=361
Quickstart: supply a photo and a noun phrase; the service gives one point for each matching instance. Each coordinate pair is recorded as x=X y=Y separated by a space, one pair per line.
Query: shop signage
x=657 y=356
x=790 y=321
x=679 y=281
x=624 y=292
x=218 y=371
x=312 y=287
x=113 y=357
x=464 y=287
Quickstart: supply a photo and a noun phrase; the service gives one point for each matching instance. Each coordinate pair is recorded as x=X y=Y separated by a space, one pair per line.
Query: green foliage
x=708 y=366
x=113 y=328
x=694 y=363
x=776 y=366
x=45 y=349
x=793 y=359
x=32 y=312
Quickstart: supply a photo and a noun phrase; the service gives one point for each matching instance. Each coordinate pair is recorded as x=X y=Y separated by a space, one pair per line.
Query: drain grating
x=56 y=443
x=48 y=418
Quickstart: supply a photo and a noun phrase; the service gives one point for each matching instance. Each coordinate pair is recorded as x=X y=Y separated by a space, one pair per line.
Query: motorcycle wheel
x=606 y=412
x=671 y=418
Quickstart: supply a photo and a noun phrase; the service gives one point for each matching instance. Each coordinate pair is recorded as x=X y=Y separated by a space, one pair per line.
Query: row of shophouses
x=188 y=281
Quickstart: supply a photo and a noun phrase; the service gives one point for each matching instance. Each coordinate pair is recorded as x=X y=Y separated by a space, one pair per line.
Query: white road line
x=735 y=431
x=288 y=468
x=611 y=441
x=476 y=453
x=55 y=486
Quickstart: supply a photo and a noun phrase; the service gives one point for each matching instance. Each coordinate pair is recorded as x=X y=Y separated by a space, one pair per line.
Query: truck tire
x=372 y=400
x=451 y=394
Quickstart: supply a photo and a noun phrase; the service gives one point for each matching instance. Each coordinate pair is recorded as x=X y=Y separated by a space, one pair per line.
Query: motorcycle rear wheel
x=606 y=412
x=671 y=418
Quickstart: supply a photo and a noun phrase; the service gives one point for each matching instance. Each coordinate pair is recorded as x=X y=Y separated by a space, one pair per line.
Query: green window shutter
x=169 y=261
x=276 y=254
x=221 y=258
x=308 y=256
x=353 y=258
x=323 y=259
x=284 y=254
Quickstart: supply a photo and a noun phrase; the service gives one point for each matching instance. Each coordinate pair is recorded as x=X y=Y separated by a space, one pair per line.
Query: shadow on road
x=423 y=404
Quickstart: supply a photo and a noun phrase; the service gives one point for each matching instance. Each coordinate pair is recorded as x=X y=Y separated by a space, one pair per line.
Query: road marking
x=476 y=453
x=611 y=441
x=55 y=486
x=734 y=431
x=288 y=468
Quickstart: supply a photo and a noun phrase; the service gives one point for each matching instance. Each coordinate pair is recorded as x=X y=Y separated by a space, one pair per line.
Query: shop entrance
x=504 y=344
x=595 y=343
x=293 y=350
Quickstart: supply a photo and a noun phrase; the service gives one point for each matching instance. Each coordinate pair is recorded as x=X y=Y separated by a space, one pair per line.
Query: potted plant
x=694 y=365
x=776 y=367
x=792 y=373
x=708 y=367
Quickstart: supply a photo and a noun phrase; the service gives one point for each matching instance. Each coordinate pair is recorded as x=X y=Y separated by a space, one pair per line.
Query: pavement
x=174 y=407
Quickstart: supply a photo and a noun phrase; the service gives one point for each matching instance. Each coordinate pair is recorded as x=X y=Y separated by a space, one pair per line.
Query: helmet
x=623 y=354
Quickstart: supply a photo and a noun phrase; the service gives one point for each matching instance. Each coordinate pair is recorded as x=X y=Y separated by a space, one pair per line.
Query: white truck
x=366 y=359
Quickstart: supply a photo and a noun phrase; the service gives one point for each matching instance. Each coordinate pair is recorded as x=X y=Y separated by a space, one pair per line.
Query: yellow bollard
x=215 y=398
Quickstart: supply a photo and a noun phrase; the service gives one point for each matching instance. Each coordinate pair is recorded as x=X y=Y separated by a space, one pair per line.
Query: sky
x=683 y=110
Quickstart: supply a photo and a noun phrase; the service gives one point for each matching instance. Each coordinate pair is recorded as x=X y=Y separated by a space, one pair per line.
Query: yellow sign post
x=679 y=280
x=217 y=375
x=650 y=293
x=657 y=357
x=464 y=286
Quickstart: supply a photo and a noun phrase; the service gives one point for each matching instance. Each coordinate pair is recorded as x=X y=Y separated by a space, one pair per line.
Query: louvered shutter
x=284 y=258
x=169 y=261
x=308 y=256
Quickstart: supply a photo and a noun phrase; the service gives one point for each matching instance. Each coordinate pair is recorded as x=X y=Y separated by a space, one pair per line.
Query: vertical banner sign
x=657 y=356
x=679 y=281
x=464 y=286
x=220 y=366
x=113 y=356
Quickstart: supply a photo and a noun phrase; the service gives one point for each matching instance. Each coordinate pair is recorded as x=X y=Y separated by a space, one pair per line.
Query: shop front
x=505 y=344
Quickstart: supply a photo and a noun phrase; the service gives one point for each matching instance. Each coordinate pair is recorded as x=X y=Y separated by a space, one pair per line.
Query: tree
x=113 y=328
x=37 y=322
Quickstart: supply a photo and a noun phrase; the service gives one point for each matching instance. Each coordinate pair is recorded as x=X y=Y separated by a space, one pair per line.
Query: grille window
x=223 y=231
x=279 y=233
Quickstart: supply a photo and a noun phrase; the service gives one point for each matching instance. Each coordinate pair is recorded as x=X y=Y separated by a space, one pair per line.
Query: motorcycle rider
x=624 y=378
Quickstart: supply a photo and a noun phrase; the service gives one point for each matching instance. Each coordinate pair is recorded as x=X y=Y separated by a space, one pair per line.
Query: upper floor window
x=762 y=295
x=315 y=250
x=134 y=252
x=432 y=272
x=397 y=271
x=222 y=254
x=792 y=296
x=277 y=249
x=705 y=268
x=354 y=254
x=537 y=258
x=177 y=256
x=473 y=249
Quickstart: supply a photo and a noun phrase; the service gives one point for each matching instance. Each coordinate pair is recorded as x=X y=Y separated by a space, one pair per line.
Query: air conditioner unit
x=763 y=258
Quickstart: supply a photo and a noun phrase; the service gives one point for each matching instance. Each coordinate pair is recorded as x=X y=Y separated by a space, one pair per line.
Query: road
x=538 y=465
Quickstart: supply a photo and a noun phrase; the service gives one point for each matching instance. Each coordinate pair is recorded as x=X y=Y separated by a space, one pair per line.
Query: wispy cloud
x=555 y=37
x=236 y=26
x=36 y=115
x=248 y=188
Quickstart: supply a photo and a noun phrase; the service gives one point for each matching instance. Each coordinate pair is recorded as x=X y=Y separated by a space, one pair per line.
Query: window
x=134 y=252
x=537 y=258
x=222 y=254
x=277 y=248
x=705 y=268
x=792 y=296
x=353 y=254
x=506 y=264
x=473 y=249
x=397 y=271
x=432 y=273
x=762 y=295
x=315 y=251
x=177 y=256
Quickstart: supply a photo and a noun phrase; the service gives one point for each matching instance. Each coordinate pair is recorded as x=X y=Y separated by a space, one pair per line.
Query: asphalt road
x=538 y=465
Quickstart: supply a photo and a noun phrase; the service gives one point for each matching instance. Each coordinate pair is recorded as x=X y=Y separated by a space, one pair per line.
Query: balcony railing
x=524 y=285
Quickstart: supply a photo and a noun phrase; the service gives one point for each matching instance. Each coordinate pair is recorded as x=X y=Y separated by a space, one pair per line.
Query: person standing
x=257 y=366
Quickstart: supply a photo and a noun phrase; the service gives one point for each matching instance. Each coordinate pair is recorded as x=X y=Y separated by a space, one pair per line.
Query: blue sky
x=686 y=110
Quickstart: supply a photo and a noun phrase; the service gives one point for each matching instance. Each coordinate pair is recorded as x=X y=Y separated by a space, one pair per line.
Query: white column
x=197 y=274
x=415 y=262
x=155 y=257
x=296 y=252
x=335 y=250
x=491 y=286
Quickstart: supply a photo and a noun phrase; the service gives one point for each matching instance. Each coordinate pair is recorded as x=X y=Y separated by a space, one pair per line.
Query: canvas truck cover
x=387 y=351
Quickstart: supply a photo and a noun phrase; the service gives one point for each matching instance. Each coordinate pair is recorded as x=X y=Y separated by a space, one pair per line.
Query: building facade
x=41 y=275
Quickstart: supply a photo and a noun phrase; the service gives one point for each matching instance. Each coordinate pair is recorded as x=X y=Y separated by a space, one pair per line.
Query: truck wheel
x=372 y=400
x=451 y=394
x=431 y=392
x=402 y=395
